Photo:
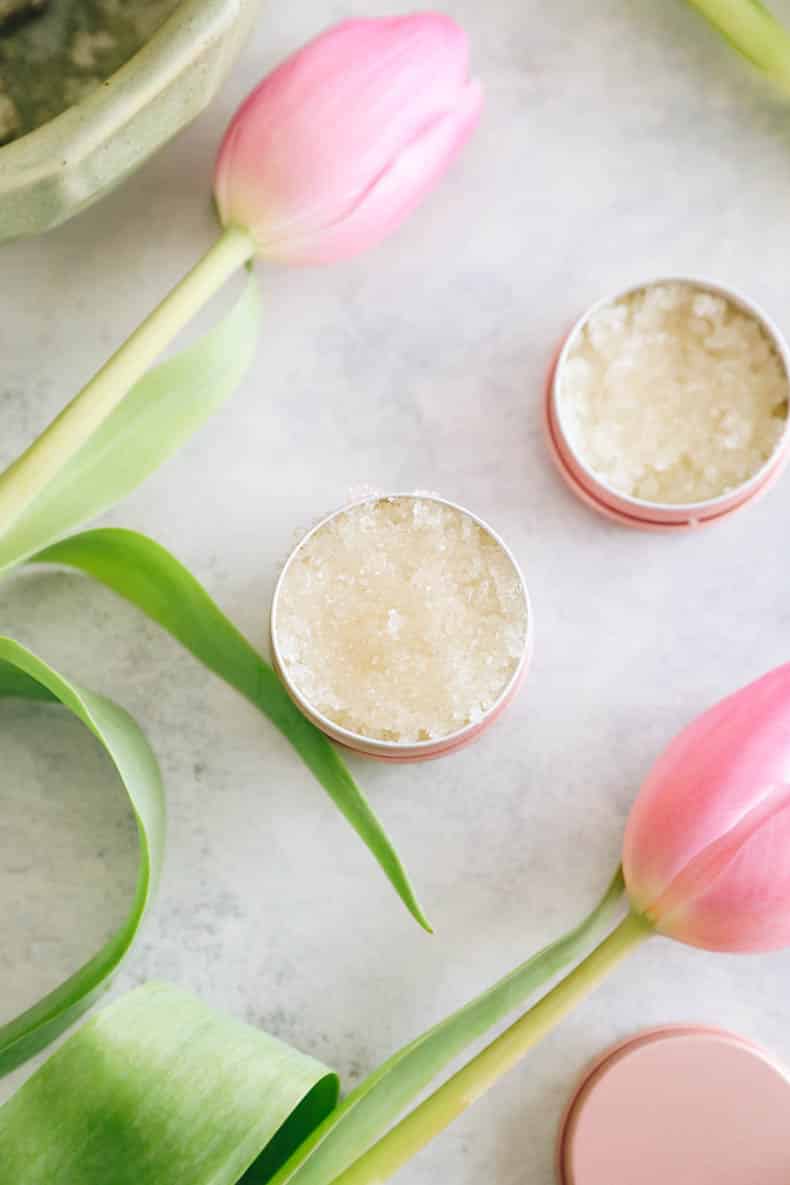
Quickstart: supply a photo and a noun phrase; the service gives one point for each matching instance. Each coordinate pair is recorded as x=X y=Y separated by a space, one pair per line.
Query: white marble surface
x=621 y=140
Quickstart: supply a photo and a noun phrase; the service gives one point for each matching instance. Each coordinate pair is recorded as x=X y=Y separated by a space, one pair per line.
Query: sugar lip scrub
x=674 y=394
x=400 y=625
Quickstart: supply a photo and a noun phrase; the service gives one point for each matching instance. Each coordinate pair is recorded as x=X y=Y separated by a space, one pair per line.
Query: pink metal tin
x=689 y=1105
x=389 y=750
x=635 y=512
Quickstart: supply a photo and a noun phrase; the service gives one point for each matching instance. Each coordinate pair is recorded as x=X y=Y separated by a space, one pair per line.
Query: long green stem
x=754 y=31
x=46 y=456
x=452 y=1098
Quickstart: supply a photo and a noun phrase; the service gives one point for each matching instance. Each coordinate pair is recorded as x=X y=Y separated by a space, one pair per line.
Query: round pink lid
x=679 y=1106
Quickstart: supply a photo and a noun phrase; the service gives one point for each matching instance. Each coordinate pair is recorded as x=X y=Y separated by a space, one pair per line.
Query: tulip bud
x=337 y=145
x=707 y=846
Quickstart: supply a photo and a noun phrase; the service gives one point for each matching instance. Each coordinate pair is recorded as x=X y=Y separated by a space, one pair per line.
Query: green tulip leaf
x=23 y=675
x=158 y=1089
x=150 y=424
x=153 y=420
x=145 y=574
x=376 y=1104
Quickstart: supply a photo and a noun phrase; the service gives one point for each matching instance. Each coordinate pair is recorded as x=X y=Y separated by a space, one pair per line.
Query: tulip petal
x=396 y=193
x=308 y=144
x=707 y=845
x=734 y=895
x=708 y=779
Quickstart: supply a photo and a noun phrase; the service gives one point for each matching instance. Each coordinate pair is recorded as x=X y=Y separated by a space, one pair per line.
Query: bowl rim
x=83 y=127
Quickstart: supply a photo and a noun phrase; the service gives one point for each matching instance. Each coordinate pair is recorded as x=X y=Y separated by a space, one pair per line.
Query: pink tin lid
x=679 y=1106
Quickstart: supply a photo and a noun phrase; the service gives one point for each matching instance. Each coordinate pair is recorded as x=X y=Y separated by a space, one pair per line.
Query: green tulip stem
x=754 y=31
x=26 y=477
x=466 y=1086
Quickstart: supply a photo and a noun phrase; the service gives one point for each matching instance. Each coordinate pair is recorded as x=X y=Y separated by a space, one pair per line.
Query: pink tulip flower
x=338 y=145
x=706 y=860
x=707 y=846
x=324 y=159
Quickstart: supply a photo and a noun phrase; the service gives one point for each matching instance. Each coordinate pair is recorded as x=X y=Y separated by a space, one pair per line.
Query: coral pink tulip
x=337 y=145
x=707 y=846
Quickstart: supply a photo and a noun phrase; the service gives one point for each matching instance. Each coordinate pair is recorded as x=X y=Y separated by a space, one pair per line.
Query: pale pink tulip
x=336 y=146
x=707 y=845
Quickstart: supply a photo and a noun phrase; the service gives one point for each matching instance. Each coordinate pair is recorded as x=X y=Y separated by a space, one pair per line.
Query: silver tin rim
x=404 y=749
x=721 y=501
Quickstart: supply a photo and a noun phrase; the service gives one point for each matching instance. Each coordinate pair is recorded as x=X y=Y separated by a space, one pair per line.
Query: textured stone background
x=621 y=140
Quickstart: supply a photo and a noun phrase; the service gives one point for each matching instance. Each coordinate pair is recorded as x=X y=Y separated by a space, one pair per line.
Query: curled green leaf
x=24 y=675
x=158 y=1089
x=148 y=576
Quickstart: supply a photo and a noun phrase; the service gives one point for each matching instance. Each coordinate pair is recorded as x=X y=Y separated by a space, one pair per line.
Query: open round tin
x=636 y=512
x=682 y=1104
x=395 y=750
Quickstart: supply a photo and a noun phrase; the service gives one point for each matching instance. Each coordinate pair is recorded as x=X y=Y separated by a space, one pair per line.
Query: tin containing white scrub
x=687 y=368
x=401 y=626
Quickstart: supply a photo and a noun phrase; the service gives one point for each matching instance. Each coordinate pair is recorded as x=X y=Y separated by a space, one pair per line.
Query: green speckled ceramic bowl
x=60 y=168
